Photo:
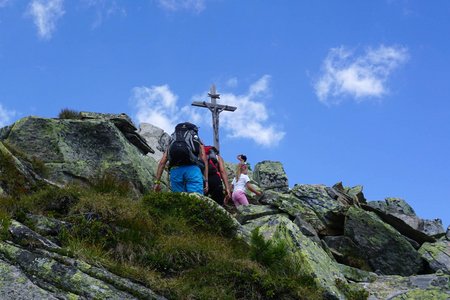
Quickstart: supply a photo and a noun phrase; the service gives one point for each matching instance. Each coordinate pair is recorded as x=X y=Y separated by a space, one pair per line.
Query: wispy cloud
x=45 y=14
x=104 y=10
x=232 y=82
x=177 y=5
x=5 y=116
x=359 y=77
x=158 y=105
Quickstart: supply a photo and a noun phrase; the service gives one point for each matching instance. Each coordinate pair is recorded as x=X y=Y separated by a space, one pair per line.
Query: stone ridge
x=340 y=238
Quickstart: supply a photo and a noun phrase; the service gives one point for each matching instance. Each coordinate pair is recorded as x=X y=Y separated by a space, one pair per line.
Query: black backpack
x=184 y=146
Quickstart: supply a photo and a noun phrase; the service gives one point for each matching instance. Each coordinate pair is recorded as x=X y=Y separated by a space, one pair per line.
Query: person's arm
x=249 y=186
x=224 y=175
x=205 y=170
x=159 y=171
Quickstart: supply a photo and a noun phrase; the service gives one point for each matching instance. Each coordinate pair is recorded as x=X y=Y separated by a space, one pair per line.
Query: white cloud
x=45 y=14
x=250 y=118
x=157 y=105
x=176 y=5
x=6 y=116
x=361 y=77
x=104 y=10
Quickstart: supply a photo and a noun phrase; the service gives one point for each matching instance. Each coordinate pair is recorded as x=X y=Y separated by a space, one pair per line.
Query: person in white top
x=239 y=184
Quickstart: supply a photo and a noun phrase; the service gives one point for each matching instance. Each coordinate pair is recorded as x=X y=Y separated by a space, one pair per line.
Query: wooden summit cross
x=215 y=109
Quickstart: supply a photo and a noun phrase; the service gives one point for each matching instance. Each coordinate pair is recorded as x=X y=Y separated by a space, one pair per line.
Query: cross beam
x=215 y=109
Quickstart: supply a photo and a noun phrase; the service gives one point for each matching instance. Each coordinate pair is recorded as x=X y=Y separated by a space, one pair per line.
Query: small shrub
x=67 y=113
x=267 y=253
x=5 y=220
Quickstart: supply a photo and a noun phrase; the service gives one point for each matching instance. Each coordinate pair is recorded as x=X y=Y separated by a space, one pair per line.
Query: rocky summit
x=343 y=246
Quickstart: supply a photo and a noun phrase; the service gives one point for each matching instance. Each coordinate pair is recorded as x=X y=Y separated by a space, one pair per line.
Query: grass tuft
x=5 y=220
x=107 y=183
x=67 y=113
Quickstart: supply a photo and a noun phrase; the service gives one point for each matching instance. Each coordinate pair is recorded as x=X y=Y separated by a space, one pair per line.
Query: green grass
x=175 y=244
x=107 y=183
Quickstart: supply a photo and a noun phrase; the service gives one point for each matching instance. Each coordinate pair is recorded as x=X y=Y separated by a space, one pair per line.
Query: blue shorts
x=186 y=179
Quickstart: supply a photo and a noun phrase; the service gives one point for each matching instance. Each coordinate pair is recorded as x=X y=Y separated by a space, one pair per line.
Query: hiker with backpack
x=240 y=184
x=187 y=159
x=217 y=176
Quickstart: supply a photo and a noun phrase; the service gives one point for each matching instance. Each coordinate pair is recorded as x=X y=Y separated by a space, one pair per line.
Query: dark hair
x=244 y=158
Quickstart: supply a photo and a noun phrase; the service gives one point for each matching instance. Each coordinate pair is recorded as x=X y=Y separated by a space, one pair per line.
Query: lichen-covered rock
x=270 y=175
x=350 y=253
x=250 y=212
x=295 y=207
x=61 y=276
x=432 y=227
x=330 y=211
x=357 y=275
x=430 y=286
x=45 y=225
x=14 y=284
x=156 y=137
x=75 y=150
x=405 y=224
x=124 y=123
x=357 y=191
x=398 y=213
x=386 y=249
x=447 y=235
x=314 y=260
x=423 y=294
x=399 y=208
x=307 y=229
x=342 y=194
x=24 y=236
x=118 y=282
x=437 y=255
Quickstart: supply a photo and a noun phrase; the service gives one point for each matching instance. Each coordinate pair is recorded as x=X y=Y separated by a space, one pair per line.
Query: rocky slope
x=337 y=234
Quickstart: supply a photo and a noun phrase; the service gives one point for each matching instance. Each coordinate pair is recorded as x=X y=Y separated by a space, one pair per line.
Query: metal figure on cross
x=215 y=109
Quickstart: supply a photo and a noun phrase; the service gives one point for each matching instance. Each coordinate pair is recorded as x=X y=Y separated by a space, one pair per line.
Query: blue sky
x=352 y=91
